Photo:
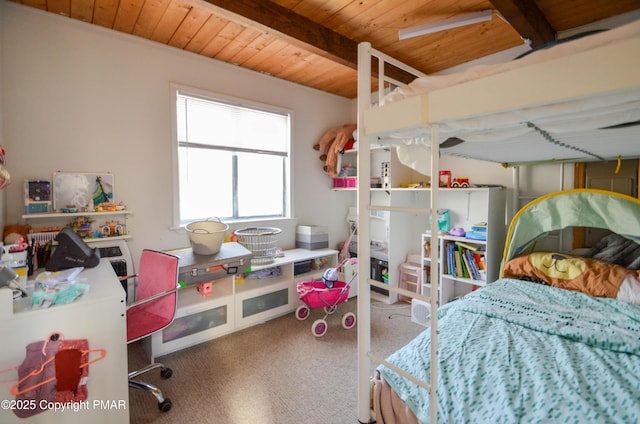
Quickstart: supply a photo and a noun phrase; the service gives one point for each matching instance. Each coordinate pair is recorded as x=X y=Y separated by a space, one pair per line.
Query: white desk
x=101 y=319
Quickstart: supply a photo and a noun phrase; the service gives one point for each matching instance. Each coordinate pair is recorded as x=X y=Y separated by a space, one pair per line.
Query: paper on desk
x=59 y=277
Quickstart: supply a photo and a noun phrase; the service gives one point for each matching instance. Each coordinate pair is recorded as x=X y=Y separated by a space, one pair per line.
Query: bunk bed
x=578 y=101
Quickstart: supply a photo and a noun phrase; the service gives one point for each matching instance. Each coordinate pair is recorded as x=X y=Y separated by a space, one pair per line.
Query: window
x=233 y=158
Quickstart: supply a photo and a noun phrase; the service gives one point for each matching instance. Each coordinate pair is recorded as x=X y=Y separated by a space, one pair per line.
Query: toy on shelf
x=420 y=184
x=5 y=176
x=331 y=144
x=460 y=182
x=112 y=229
x=443 y=220
x=478 y=231
x=82 y=226
x=37 y=196
x=110 y=207
x=37 y=191
x=449 y=182
x=14 y=232
x=106 y=207
x=348 y=171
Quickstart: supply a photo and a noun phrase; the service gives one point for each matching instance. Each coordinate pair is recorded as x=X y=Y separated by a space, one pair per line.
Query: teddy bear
x=12 y=233
x=332 y=143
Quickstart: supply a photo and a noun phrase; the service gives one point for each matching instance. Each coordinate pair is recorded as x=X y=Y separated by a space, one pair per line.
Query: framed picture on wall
x=81 y=190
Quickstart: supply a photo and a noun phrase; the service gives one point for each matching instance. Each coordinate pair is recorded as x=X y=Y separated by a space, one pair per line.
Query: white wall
x=532 y=181
x=81 y=98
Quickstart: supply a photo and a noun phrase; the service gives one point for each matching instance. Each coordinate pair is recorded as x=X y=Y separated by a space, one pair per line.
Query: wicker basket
x=261 y=241
x=206 y=237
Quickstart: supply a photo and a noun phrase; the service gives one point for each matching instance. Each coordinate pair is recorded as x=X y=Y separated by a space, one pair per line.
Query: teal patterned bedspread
x=520 y=352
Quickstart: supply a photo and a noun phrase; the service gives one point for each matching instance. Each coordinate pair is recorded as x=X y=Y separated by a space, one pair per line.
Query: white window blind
x=233 y=159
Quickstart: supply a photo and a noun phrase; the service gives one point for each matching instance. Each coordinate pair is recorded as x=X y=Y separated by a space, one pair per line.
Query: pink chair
x=153 y=310
x=410 y=275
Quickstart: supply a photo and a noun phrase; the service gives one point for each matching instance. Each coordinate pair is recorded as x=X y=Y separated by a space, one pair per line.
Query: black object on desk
x=72 y=252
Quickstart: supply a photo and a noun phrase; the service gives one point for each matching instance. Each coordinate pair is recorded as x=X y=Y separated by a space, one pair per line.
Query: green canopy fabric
x=616 y=212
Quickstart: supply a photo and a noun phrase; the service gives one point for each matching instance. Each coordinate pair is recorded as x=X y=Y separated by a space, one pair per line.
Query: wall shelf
x=53 y=220
x=73 y=214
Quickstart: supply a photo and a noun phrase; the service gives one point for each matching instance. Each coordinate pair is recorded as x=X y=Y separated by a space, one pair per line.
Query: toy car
x=460 y=182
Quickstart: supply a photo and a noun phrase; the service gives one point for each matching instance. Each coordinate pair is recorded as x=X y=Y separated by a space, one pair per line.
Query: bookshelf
x=483 y=256
x=463 y=268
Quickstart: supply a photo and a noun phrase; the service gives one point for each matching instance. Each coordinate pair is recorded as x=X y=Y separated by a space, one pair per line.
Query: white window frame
x=216 y=97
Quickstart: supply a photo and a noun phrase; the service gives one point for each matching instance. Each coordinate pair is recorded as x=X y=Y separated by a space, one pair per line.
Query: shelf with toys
x=387 y=172
x=86 y=224
x=76 y=200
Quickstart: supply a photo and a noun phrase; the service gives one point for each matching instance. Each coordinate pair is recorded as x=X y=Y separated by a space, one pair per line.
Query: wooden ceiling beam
x=527 y=19
x=296 y=29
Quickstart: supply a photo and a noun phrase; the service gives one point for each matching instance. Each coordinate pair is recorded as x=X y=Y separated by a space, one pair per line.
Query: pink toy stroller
x=327 y=293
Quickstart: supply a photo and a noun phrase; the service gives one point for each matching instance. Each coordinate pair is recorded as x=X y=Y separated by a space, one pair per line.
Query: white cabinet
x=98 y=317
x=198 y=319
x=453 y=266
x=405 y=229
x=466 y=207
x=238 y=302
x=481 y=205
x=392 y=235
x=400 y=233
x=257 y=301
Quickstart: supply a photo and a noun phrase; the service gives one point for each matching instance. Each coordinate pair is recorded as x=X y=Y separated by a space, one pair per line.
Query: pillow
x=630 y=290
x=590 y=276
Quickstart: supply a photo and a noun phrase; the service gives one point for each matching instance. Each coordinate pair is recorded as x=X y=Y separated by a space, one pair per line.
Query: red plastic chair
x=153 y=310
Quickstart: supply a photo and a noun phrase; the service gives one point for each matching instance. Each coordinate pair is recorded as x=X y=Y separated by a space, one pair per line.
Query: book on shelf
x=471 y=264
x=466 y=270
x=468 y=246
x=459 y=265
x=469 y=271
x=480 y=260
x=463 y=262
x=451 y=267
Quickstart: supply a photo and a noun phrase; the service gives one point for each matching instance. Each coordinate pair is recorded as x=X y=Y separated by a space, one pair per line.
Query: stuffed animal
x=332 y=143
x=12 y=233
x=5 y=176
x=330 y=276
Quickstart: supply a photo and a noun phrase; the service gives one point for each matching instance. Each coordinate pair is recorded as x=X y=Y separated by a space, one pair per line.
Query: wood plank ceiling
x=314 y=42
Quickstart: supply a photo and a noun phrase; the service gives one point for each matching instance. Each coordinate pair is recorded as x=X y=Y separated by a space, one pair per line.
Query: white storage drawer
x=261 y=304
x=192 y=324
x=265 y=302
x=198 y=318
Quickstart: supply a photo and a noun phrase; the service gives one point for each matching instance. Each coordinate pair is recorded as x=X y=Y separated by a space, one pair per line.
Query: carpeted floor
x=273 y=373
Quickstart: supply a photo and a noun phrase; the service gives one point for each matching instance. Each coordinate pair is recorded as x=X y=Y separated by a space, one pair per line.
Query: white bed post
x=363 y=203
x=435 y=278
x=515 y=202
